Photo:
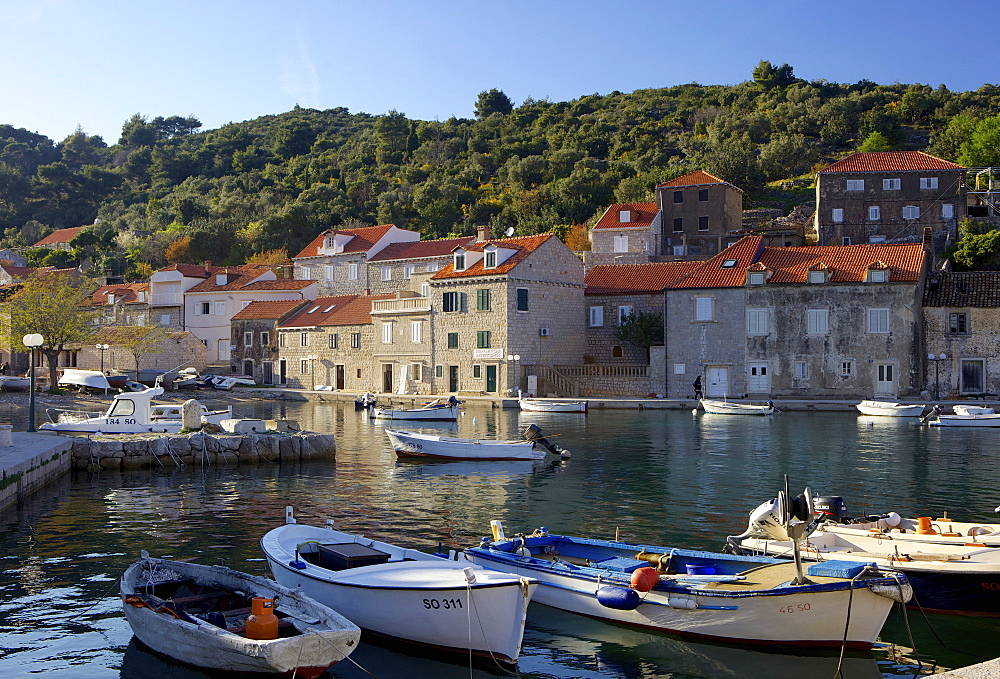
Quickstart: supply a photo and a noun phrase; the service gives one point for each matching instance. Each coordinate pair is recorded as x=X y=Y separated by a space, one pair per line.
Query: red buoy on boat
x=644 y=579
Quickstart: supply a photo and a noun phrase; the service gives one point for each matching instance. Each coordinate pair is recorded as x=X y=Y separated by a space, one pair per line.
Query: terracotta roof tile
x=364 y=239
x=849 y=263
x=612 y=279
x=421 y=248
x=726 y=269
x=60 y=236
x=979 y=289
x=264 y=310
x=890 y=161
x=330 y=311
x=643 y=217
x=696 y=178
x=194 y=270
x=122 y=293
x=524 y=245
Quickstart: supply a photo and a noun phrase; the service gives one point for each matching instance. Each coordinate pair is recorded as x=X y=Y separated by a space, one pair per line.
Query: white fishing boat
x=129 y=413
x=14 y=383
x=419 y=445
x=953 y=567
x=432 y=412
x=984 y=420
x=220 y=619
x=890 y=409
x=732 y=408
x=84 y=379
x=972 y=410
x=403 y=594
x=551 y=405
x=714 y=596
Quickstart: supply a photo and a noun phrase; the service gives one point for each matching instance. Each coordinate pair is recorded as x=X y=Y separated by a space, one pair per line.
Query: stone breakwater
x=137 y=451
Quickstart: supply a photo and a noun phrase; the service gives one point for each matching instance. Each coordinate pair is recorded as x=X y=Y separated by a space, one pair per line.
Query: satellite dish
x=509 y=232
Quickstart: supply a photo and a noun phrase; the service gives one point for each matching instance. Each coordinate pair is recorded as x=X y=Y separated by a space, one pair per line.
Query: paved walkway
x=33 y=461
x=986 y=670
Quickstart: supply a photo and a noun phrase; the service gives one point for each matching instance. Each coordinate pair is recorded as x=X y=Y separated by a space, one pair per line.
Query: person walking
x=697 y=387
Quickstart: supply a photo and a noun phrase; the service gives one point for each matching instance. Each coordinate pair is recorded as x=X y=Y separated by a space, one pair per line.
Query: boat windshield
x=122 y=407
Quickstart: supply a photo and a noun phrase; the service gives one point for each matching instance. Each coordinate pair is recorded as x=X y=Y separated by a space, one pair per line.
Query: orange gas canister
x=262 y=623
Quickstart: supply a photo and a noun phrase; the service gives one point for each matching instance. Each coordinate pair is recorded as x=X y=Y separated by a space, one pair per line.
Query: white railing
x=166 y=299
x=594 y=370
x=398 y=305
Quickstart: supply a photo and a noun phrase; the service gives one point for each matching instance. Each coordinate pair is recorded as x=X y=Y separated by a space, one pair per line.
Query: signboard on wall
x=487 y=354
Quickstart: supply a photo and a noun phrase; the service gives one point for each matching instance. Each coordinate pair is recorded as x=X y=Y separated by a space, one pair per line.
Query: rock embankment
x=132 y=451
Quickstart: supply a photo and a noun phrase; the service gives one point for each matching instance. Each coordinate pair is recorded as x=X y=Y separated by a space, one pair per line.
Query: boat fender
x=644 y=579
x=682 y=603
x=262 y=624
x=979 y=530
x=618 y=598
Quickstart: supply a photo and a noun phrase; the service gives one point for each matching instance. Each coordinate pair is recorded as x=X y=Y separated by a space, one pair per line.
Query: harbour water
x=663 y=477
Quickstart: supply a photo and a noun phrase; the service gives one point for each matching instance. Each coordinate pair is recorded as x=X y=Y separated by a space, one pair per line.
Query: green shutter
x=522 y=299
x=483 y=299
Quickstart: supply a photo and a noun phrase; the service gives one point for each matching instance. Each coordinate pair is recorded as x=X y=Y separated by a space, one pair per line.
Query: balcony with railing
x=406 y=305
x=166 y=299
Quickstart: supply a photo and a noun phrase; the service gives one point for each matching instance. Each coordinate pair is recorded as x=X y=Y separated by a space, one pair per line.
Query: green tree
x=493 y=101
x=976 y=251
x=982 y=148
x=643 y=329
x=767 y=77
x=876 y=141
x=51 y=305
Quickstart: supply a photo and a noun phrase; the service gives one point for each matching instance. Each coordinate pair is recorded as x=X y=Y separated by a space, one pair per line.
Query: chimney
x=928 y=241
x=483 y=233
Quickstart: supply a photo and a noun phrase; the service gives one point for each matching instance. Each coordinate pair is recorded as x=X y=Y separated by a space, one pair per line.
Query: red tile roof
x=330 y=311
x=714 y=273
x=613 y=279
x=980 y=289
x=421 y=248
x=60 y=236
x=122 y=293
x=890 y=161
x=364 y=239
x=524 y=245
x=645 y=212
x=696 y=178
x=18 y=273
x=848 y=263
x=268 y=310
x=194 y=270
x=243 y=278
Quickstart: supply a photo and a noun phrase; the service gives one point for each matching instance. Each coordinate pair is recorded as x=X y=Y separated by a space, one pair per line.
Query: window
x=911 y=212
x=459 y=261
x=425 y=289
x=703 y=308
x=522 y=299
x=620 y=244
x=453 y=340
x=386 y=273
x=408 y=272
x=596 y=316
x=817 y=321
x=352 y=271
x=817 y=277
x=387 y=333
x=304 y=366
x=678 y=225
x=617 y=351
x=355 y=340
x=165 y=319
x=625 y=216
x=680 y=368
x=846 y=368
x=329 y=272
x=281 y=339
x=947 y=211
x=703 y=195
x=800 y=370
x=757 y=322
x=415 y=331
x=678 y=196
x=678 y=251
x=877 y=275
x=891 y=184
x=303 y=339
x=450 y=301
x=855 y=184
x=972 y=371
x=439 y=371
x=958 y=324
x=334 y=341
x=703 y=223
x=483 y=339
x=433 y=267
x=205 y=308
x=878 y=321
x=623 y=313
x=491 y=259
x=874 y=213
x=416 y=371
x=928 y=182
x=477 y=371
x=756 y=278
x=359 y=373
x=483 y=299
x=306 y=274
x=265 y=339
x=846 y=240
x=837 y=215
x=248 y=339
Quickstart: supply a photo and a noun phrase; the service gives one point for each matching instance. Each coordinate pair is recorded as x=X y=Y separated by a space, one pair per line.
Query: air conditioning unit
x=543 y=332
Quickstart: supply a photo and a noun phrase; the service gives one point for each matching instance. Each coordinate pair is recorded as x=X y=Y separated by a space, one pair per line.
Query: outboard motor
x=830 y=508
x=533 y=433
x=452 y=401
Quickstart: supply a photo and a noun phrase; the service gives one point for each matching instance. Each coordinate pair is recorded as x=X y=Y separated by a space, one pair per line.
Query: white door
x=223 y=351
x=718 y=381
x=758 y=379
x=885 y=379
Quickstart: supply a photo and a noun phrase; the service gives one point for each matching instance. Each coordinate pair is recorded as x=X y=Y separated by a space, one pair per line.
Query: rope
x=939 y=639
x=346 y=656
x=906 y=621
x=847 y=623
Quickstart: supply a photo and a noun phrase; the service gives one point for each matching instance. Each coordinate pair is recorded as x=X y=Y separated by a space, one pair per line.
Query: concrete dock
x=32 y=461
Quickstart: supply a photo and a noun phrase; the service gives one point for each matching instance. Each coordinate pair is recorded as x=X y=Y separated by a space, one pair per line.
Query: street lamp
x=102 y=348
x=32 y=341
x=937 y=358
x=514 y=358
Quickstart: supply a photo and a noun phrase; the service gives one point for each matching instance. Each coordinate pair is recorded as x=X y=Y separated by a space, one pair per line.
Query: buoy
x=644 y=579
x=618 y=598
x=262 y=623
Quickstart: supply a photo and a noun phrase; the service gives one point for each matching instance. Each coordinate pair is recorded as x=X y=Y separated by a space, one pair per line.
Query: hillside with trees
x=167 y=191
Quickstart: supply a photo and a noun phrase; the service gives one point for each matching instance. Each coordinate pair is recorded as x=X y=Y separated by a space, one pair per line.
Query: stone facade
x=602 y=317
x=697 y=212
x=712 y=346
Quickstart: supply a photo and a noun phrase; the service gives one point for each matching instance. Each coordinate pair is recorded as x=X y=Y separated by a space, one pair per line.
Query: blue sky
x=95 y=63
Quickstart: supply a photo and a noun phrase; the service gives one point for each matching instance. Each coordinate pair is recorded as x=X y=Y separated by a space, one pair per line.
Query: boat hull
x=887 y=409
x=445 y=414
x=204 y=645
x=966 y=421
x=412 y=445
x=534 y=405
x=424 y=600
x=727 y=408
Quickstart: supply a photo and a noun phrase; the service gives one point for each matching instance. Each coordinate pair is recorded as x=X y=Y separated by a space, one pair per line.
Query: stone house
x=697 y=213
x=807 y=322
x=122 y=304
x=179 y=349
x=255 y=336
x=505 y=314
x=961 y=327
x=397 y=266
x=889 y=197
x=330 y=342
x=12 y=258
x=338 y=259
x=627 y=233
x=166 y=291
x=59 y=239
